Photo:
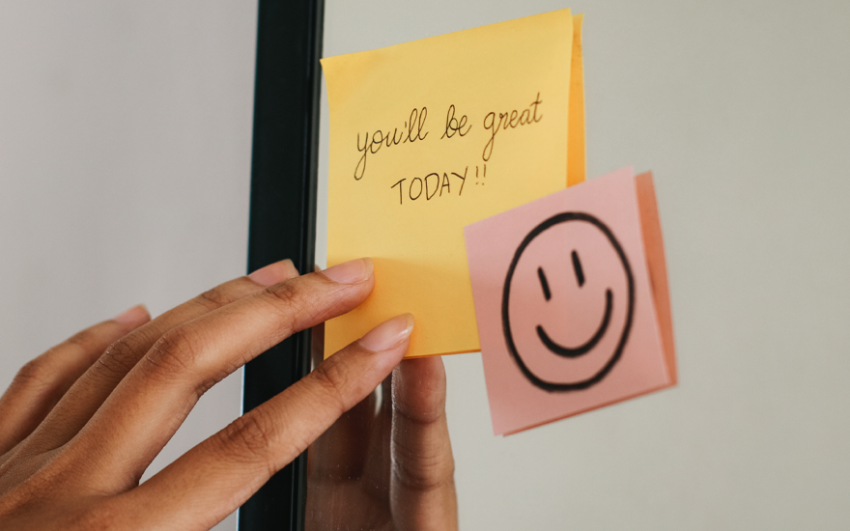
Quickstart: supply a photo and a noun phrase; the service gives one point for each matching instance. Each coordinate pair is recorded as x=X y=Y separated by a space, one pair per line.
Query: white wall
x=125 y=132
x=125 y=151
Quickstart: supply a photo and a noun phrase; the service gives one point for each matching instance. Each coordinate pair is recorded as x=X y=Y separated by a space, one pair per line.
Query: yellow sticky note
x=429 y=136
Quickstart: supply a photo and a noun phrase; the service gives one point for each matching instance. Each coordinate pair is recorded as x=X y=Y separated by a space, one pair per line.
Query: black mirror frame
x=283 y=217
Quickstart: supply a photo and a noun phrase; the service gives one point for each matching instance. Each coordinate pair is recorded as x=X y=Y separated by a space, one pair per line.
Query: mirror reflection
x=387 y=463
x=739 y=111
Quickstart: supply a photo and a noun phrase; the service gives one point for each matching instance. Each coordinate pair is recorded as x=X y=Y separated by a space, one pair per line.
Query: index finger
x=217 y=476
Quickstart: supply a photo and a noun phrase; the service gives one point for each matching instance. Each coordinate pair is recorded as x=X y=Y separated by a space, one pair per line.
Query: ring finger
x=42 y=382
x=90 y=391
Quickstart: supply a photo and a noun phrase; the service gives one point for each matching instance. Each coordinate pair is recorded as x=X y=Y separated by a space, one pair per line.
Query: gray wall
x=125 y=151
x=124 y=173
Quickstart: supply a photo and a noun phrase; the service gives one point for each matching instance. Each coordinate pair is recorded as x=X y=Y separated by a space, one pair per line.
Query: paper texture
x=429 y=136
x=567 y=314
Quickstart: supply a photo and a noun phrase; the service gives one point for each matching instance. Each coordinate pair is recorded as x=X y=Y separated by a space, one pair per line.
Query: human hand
x=387 y=463
x=80 y=424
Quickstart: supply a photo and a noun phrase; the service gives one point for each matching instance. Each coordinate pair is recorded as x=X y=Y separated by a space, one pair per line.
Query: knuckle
x=425 y=413
x=427 y=474
x=121 y=356
x=286 y=293
x=288 y=298
x=176 y=352
x=422 y=418
x=86 y=340
x=290 y=304
x=36 y=372
x=213 y=298
x=250 y=436
x=332 y=379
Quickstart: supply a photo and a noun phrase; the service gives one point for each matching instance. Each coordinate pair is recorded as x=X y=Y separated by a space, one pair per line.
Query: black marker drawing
x=604 y=326
x=544 y=284
x=577 y=268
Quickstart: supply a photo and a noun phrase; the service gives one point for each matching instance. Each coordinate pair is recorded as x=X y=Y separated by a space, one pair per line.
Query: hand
x=387 y=463
x=80 y=424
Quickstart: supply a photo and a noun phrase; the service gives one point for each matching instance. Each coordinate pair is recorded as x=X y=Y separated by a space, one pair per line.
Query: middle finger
x=150 y=404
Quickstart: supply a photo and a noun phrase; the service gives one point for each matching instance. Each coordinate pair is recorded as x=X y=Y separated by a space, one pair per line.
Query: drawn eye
x=578 y=270
x=543 y=283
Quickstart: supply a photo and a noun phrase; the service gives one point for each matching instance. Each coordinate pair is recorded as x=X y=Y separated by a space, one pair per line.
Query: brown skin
x=80 y=424
x=387 y=463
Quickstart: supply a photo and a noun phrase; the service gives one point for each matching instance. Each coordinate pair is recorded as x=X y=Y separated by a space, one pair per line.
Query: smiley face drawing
x=568 y=303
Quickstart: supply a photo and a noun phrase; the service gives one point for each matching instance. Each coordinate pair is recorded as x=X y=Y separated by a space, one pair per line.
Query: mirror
x=739 y=113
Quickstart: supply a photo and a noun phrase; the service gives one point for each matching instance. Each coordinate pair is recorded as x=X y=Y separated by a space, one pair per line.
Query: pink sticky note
x=571 y=301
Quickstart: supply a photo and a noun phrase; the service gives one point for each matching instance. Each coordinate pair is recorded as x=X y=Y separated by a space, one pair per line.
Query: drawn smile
x=580 y=350
x=543 y=376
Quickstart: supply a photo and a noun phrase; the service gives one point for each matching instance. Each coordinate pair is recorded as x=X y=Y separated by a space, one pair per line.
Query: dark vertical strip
x=543 y=283
x=283 y=216
x=578 y=270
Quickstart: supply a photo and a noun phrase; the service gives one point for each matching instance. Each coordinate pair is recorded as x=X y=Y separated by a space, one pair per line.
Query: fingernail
x=136 y=314
x=350 y=272
x=274 y=273
x=388 y=334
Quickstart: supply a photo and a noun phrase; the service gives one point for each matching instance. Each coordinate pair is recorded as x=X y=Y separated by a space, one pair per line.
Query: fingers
x=423 y=492
x=42 y=382
x=92 y=389
x=217 y=476
x=149 y=405
x=335 y=469
x=340 y=453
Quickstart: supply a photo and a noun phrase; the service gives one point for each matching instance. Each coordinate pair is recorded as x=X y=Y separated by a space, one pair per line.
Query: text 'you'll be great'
x=456 y=128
